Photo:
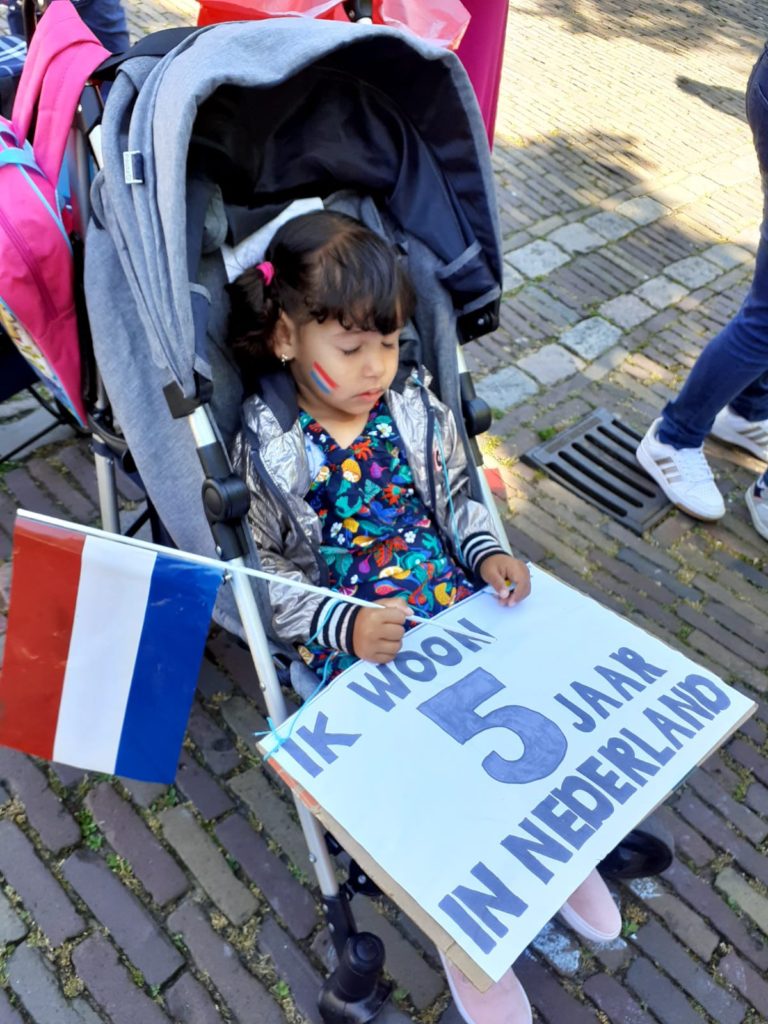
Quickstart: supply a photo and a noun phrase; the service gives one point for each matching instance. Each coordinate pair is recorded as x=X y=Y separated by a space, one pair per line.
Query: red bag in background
x=442 y=22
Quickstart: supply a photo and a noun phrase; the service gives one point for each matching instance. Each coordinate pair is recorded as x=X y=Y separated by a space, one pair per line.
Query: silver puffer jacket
x=270 y=453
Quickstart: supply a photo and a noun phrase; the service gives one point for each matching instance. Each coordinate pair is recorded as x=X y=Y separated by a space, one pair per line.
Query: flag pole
x=217 y=563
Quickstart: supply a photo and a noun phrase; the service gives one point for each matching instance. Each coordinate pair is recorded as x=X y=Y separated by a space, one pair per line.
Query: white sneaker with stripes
x=757 y=503
x=683 y=474
x=752 y=436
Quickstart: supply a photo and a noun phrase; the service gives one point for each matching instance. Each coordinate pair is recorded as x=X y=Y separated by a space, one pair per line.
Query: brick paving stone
x=242 y=993
x=19 y=433
x=323 y=949
x=12 y=928
x=626 y=311
x=244 y=720
x=276 y=814
x=28 y=495
x=291 y=901
x=88 y=1015
x=80 y=464
x=613 y=999
x=687 y=841
x=659 y=945
x=144 y=793
x=512 y=279
x=207 y=864
x=537 y=258
x=611 y=226
x=748 y=982
x=391 y=1015
x=552 y=1001
x=734 y=812
x=745 y=651
x=45 y=813
x=660 y=995
x=67 y=775
x=41 y=894
x=198 y=787
x=188 y=1002
x=757 y=798
x=131 y=926
x=237 y=662
x=157 y=871
x=79 y=507
x=661 y=292
x=700 y=894
x=217 y=748
x=411 y=971
x=613 y=955
x=451 y=1015
x=591 y=338
x=212 y=681
x=505 y=388
x=691 y=927
x=111 y=986
x=735 y=887
x=641 y=210
x=35 y=984
x=693 y=271
x=293 y=967
x=727 y=256
x=550 y=364
x=576 y=238
x=8 y=1014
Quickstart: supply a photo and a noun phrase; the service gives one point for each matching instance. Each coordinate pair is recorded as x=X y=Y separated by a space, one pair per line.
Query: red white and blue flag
x=103 y=650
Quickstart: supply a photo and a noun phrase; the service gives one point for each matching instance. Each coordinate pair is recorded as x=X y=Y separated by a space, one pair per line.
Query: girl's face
x=338 y=372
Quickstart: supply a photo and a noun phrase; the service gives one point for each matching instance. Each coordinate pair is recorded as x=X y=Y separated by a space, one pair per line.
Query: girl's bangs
x=363 y=290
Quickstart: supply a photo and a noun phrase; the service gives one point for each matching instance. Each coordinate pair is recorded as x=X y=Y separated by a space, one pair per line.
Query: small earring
x=284 y=361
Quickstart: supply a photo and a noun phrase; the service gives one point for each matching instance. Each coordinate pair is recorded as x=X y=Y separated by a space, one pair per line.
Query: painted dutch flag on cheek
x=323 y=380
x=103 y=651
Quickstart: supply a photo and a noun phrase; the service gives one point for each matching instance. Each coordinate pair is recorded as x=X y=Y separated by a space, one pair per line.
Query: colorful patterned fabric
x=378 y=539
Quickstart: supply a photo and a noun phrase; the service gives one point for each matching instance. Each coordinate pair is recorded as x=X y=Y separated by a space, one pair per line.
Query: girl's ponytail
x=254 y=311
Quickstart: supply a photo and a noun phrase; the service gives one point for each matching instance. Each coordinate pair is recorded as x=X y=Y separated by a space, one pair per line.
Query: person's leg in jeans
x=105 y=18
x=727 y=387
x=15 y=19
x=733 y=368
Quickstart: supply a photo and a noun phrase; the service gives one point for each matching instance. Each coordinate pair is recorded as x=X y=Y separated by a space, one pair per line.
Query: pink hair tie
x=267 y=271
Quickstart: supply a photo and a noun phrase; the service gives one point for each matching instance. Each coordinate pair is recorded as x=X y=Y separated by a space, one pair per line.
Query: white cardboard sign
x=500 y=756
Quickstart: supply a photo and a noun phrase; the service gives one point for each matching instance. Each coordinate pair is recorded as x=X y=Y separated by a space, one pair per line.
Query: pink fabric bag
x=37 y=306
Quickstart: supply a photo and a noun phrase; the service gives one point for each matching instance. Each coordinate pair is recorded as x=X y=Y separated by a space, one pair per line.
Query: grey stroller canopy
x=208 y=142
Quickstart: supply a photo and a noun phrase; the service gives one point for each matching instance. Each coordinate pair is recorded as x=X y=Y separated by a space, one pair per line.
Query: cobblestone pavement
x=630 y=206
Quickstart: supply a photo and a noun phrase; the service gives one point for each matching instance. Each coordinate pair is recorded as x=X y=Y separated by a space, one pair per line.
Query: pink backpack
x=37 y=307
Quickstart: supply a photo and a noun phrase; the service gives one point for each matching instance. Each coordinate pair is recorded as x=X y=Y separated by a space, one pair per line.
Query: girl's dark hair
x=326 y=266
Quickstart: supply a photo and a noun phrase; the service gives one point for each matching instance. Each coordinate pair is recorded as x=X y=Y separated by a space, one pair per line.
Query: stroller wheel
x=356 y=993
x=640 y=854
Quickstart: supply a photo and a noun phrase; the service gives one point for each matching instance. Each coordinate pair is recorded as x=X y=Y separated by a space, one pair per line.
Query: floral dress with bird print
x=378 y=539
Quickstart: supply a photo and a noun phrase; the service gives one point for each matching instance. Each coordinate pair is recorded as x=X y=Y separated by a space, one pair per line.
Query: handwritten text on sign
x=503 y=753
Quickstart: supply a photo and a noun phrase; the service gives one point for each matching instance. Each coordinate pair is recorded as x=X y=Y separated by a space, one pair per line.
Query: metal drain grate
x=595 y=458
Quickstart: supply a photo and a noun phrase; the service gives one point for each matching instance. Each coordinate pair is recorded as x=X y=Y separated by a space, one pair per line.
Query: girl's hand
x=503 y=572
x=378 y=632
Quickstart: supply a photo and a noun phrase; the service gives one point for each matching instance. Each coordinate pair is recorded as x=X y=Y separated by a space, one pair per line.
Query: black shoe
x=639 y=855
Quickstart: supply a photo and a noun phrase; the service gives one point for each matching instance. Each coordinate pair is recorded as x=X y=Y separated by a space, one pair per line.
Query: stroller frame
x=355 y=990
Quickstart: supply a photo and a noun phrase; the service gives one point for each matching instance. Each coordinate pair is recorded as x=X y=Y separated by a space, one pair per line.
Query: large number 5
x=453 y=709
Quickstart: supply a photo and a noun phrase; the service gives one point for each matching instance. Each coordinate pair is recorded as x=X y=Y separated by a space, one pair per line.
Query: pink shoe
x=505 y=1002
x=591 y=911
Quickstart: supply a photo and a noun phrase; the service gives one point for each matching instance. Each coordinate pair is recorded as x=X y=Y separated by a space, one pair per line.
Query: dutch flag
x=103 y=650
